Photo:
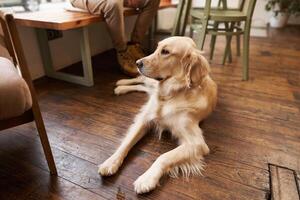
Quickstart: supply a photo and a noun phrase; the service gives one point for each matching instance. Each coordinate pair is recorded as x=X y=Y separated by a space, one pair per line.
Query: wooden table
x=61 y=19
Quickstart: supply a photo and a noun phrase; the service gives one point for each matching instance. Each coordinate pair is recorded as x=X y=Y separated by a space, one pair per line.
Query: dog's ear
x=196 y=68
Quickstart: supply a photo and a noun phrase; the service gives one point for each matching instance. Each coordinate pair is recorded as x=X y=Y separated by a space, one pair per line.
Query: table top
x=62 y=19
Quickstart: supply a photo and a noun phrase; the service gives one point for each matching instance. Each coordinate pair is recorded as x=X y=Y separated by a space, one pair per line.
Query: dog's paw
x=145 y=183
x=122 y=82
x=110 y=166
x=119 y=90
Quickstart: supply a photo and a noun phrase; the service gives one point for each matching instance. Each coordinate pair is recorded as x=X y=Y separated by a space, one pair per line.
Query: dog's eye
x=164 y=52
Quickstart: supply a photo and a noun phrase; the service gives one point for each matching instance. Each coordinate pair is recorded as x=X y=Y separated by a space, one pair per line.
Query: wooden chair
x=13 y=44
x=181 y=17
x=231 y=18
x=182 y=13
x=179 y=25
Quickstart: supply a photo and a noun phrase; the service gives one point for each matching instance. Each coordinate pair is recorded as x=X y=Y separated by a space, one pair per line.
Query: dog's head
x=175 y=57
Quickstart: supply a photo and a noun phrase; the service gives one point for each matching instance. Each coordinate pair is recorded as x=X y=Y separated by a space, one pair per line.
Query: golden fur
x=181 y=94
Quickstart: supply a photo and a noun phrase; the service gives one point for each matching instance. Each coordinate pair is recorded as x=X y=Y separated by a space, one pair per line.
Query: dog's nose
x=139 y=64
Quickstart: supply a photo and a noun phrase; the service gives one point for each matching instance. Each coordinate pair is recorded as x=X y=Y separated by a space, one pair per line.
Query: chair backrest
x=177 y=21
x=181 y=17
x=13 y=45
x=247 y=7
x=5 y=40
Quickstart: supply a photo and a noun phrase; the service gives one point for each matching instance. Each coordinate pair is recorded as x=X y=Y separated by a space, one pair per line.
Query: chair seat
x=220 y=15
x=15 y=97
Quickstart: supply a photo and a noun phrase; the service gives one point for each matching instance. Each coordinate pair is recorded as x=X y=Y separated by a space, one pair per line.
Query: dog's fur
x=176 y=77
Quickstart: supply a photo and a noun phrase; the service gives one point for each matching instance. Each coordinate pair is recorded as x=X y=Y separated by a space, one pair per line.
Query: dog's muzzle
x=140 y=66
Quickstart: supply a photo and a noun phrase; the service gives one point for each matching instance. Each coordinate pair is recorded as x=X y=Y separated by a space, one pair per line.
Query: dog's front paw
x=145 y=183
x=110 y=166
x=119 y=90
x=122 y=82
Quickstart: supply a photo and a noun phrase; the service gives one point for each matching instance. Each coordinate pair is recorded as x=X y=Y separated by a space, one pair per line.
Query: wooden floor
x=256 y=125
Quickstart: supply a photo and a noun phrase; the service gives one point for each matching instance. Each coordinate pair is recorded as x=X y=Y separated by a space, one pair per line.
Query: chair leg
x=228 y=44
x=186 y=13
x=200 y=40
x=246 y=51
x=178 y=19
x=191 y=33
x=238 y=45
x=213 y=42
x=44 y=139
x=225 y=52
x=212 y=46
x=230 y=51
x=238 y=42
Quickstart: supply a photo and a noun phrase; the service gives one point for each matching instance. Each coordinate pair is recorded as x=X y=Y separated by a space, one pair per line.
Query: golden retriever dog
x=181 y=94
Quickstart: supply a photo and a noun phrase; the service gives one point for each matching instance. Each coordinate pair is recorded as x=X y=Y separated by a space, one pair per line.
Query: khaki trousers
x=112 y=10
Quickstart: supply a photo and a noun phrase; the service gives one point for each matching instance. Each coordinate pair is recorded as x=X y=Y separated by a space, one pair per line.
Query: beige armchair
x=15 y=97
x=18 y=102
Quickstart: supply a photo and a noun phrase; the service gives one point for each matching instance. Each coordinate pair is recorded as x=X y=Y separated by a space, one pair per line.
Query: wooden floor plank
x=22 y=180
x=85 y=174
x=283 y=181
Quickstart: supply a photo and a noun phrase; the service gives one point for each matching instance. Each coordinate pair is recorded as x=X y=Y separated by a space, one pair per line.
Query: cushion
x=15 y=96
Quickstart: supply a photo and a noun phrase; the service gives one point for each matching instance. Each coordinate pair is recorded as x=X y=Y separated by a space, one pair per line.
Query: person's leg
x=148 y=10
x=112 y=11
x=144 y=20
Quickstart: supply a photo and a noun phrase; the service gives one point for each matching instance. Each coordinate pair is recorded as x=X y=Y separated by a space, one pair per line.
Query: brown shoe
x=136 y=51
x=127 y=63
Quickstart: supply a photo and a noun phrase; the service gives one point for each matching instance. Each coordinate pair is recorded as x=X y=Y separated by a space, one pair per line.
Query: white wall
x=261 y=16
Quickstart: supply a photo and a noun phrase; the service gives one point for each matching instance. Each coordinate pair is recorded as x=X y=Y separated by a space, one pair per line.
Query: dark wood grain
x=284 y=185
x=21 y=180
x=255 y=123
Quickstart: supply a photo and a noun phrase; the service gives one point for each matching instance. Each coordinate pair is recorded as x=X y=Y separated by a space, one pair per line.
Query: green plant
x=287 y=6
